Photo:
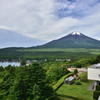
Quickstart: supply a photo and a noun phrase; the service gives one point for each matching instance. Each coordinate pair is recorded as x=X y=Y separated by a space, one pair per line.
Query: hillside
x=73 y=40
x=74 y=46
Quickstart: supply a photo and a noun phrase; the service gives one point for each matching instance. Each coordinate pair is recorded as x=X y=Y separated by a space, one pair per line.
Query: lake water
x=4 y=64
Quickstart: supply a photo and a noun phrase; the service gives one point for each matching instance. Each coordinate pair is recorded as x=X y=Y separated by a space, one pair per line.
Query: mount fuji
x=73 y=40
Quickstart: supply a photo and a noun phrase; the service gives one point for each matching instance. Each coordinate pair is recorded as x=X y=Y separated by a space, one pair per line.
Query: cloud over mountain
x=12 y=39
x=50 y=19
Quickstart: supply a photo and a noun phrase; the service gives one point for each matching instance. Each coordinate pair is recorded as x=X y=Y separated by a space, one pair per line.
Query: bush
x=78 y=82
x=61 y=81
x=75 y=71
x=97 y=87
x=84 y=79
x=96 y=95
x=53 y=83
x=78 y=64
x=56 y=73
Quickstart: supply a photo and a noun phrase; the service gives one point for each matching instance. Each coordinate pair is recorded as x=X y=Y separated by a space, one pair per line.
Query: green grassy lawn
x=76 y=92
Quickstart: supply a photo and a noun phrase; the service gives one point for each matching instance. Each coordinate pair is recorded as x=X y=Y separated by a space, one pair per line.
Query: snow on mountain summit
x=74 y=39
x=76 y=33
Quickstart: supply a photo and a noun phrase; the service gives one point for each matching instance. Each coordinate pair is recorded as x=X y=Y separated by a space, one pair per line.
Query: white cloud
x=38 y=18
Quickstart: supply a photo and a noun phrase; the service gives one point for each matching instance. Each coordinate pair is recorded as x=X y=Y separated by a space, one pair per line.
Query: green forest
x=25 y=83
x=49 y=53
x=38 y=81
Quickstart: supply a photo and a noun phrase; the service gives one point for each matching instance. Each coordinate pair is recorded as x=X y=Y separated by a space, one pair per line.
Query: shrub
x=53 y=83
x=56 y=73
x=61 y=81
x=84 y=79
x=98 y=87
x=78 y=64
x=75 y=71
x=96 y=95
x=78 y=82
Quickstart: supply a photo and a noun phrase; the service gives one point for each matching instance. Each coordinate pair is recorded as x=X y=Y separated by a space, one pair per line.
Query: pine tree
x=30 y=84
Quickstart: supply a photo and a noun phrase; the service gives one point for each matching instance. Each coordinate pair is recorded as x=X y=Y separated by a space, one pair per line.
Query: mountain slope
x=73 y=40
x=11 y=39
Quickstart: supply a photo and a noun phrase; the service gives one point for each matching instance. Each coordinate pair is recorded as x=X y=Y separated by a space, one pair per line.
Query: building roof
x=70 y=78
x=96 y=66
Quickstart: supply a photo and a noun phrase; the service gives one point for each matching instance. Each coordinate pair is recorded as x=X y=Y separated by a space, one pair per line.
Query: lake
x=4 y=64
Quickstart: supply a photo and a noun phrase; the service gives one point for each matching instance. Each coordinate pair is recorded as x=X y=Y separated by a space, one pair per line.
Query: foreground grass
x=76 y=92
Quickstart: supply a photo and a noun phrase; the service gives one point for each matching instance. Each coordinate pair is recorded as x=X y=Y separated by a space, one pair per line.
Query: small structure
x=69 y=80
x=94 y=74
x=45 y=59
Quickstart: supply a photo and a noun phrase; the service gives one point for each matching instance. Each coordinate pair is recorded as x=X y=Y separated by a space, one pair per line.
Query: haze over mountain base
x=12 y=39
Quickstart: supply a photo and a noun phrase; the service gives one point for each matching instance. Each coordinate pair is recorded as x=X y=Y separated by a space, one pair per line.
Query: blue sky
x=50 y=19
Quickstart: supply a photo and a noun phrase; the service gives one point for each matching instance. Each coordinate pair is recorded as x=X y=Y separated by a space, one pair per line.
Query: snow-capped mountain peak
x=73 y=40
x=76 y=33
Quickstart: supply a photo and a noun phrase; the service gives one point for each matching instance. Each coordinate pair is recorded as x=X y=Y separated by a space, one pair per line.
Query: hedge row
x=97 y=87
x=61 y=81
x=96 y=95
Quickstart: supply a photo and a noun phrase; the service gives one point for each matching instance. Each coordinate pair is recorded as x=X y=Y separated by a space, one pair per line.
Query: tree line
x=34 y=81
x=26 y=83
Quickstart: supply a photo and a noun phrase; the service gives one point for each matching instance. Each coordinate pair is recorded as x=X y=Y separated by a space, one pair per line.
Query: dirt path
x=80 y=70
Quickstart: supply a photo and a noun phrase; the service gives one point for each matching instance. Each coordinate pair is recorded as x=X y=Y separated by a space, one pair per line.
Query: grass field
x=49 y=53
x=75 y=92
x=54 y=53
x=92 y=51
